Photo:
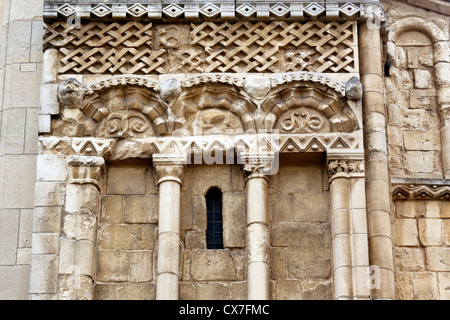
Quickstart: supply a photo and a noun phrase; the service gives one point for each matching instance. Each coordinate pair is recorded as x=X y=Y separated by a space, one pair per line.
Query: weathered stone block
x=49 y=194
x=310 y=207
x=437 y=258
x=406 y=232
x=299 y=179
x=112 y=209
x=44 y=273
x=280 y=207
x=45 y=243
x=447 y=232
x=141 y=209
x=77 y=257
x=47 y=219
x=209 y=176
x=423 y=79
x=430 y=232
x=212 y=291
x=80 y=227
x=13 y=130
x=195 y=239
x=403 y=285
x=444 y=285
x=317 y=289
x=118 y=237
x=425 y=286
x=233 y=214
x=422 y=140
x=309 y=262
x=310 y=234
x=75 y=287
x=14 y=282
x=112 y=266
x=432 y=209
x=125 y=291
x=213 y=265
x=409 y=259
x=278 y=263
x=423 y=99
x=9 y=230
x=126 y=180
x=82 y=199
x=51 y=167
x=288 y=290
x=146 y=236
x=420 y=161
x=20 y=171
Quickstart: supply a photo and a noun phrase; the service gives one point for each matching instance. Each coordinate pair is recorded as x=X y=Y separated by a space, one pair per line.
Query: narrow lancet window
x=214 y=234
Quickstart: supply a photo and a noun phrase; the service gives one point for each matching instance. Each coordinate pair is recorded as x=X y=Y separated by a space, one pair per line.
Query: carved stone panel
x=231 y=47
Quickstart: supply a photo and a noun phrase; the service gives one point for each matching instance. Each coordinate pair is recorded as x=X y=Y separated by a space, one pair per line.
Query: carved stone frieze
x=204 y=47
x=420 y=189
x=219 y=147
x=218 y=10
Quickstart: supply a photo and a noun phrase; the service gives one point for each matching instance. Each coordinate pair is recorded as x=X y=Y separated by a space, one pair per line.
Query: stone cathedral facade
x=222 y=149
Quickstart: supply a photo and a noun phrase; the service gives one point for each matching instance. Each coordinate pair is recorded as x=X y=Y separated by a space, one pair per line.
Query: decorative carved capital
x=345 y=164
x=85 y=170
x=169 y=166
x=260 y=163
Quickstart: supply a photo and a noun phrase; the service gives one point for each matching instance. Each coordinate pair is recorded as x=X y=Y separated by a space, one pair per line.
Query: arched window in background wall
x=214 y=234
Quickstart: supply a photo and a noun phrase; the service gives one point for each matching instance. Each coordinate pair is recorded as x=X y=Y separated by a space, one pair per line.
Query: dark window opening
x=214 y=234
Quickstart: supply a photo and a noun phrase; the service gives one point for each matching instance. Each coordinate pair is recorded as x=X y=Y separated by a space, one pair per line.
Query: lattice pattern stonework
x=238 y=47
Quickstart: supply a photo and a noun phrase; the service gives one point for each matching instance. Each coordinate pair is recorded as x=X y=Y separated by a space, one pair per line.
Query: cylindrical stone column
x=170 y=170
x=79 y=233
x=378 y=193
x=257 y=237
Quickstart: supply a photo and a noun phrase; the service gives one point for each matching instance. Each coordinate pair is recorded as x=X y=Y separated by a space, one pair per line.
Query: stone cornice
x=297 y=10
x=420 y=189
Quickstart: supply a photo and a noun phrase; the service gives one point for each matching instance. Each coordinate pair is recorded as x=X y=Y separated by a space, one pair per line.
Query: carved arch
x=324 y=104
x=116 y=104
x=203 y=98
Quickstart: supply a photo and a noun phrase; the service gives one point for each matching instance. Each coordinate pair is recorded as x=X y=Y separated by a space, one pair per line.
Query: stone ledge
x=218 y=10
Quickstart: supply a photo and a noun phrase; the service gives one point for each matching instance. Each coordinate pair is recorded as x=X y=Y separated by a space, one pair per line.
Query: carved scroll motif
x=301 y=122
x=123 y=125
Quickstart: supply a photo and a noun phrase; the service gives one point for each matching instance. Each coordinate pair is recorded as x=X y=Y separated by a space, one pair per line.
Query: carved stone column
x=349 y=226
x=170 y=169
x=79 y=228
x=378 y=193
x=257 y=225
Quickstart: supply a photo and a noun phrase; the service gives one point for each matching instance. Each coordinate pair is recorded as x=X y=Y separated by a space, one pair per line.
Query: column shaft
x=377 y=178
x=169 y=239
x=257 y=238
x=169 y=168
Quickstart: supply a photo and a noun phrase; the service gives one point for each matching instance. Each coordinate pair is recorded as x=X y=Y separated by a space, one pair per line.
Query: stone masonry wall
x=422 y=250
x=411 y=95
x=21 y=31
x=300 y=234
x=127 y=235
